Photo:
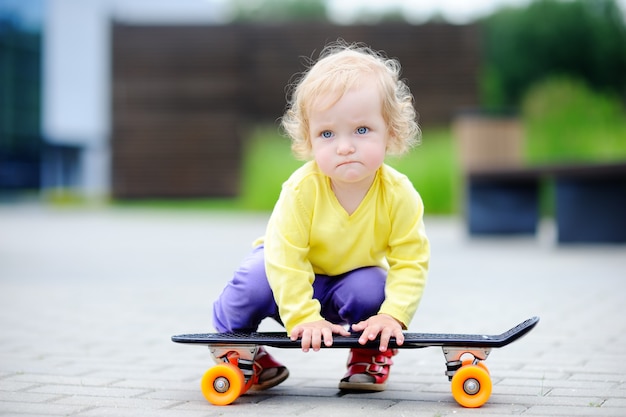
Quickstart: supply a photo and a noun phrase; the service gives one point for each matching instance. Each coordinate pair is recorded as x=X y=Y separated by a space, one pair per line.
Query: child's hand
x=382 y=324
x=313 y=333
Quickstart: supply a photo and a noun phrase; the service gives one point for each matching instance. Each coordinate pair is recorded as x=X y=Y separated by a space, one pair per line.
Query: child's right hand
x=382 y=325
x=314 y=332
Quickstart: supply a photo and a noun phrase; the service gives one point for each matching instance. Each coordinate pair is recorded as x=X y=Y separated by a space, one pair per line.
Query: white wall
x=76 y=96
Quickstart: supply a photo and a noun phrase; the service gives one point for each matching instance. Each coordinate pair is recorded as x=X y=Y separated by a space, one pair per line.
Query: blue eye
x=362 y=130
x=327 y=134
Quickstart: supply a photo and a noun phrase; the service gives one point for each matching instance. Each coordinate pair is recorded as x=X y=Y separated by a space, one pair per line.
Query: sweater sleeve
x=289 y=272
x=408 y=255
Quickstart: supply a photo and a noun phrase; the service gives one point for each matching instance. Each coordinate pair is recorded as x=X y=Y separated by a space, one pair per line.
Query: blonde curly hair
x=339 y=66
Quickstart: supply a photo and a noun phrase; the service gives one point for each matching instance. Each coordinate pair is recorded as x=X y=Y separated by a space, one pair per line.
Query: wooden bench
x=590 y=201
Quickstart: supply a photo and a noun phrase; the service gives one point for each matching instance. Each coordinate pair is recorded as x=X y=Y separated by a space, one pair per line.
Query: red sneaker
x=269 y=372
x=368 y=369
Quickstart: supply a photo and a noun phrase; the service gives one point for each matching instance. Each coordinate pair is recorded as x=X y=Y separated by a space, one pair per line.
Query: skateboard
x=464 y=354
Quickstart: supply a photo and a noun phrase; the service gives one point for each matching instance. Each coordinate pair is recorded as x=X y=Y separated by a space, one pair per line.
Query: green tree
x=585 y=39
x=278 y=10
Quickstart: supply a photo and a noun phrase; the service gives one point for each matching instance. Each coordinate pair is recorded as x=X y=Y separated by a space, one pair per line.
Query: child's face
x=349 y=138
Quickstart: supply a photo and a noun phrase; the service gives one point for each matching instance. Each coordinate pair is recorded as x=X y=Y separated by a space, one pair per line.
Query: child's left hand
x=382 y=324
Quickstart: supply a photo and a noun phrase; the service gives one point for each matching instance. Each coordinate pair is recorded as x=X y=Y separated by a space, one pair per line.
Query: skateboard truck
x=242 y=356
x=454 y=358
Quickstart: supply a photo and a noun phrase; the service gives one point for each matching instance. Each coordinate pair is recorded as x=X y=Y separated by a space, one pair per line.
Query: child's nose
x=344 y=145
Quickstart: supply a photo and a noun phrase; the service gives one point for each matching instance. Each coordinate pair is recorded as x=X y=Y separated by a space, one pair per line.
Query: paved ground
x=90 y=298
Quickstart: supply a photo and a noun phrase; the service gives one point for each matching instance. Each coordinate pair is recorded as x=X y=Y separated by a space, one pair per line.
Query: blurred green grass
x=431 y=167
x=567 y=122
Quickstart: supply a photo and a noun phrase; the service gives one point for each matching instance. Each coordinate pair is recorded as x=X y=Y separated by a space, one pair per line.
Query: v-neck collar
x=340 y=209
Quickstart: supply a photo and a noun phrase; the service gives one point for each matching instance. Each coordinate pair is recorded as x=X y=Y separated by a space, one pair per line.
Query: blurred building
x=20 y=94
x=135 y=99
x=55 y=87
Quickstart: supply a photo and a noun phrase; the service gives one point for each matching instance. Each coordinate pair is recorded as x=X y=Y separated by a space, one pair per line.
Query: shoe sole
x=362 y=386
x=280 y=377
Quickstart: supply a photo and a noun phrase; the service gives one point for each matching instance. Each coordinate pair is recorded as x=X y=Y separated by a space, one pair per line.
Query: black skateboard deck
x=411 y=340
x=464 y=354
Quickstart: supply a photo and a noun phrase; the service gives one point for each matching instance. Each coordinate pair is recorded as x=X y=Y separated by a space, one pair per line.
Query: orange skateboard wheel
x=471 y=386
x=222 y=384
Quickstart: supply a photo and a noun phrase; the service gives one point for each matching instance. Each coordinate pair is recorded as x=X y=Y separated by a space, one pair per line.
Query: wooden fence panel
x=181 y=93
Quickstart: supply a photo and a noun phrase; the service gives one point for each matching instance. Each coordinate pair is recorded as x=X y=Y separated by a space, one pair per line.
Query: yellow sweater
x=310 y=233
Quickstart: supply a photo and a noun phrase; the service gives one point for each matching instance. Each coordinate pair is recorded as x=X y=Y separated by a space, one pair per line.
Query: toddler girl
x=345 y=244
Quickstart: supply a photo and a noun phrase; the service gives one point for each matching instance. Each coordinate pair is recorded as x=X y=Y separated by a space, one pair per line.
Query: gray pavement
x=89 y=299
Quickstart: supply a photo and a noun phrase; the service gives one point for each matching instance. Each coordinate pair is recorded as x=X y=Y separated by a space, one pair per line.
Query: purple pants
x=247 y=299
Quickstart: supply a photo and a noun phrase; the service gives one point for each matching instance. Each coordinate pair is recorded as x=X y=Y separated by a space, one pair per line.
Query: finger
x=373 y=332
x=369 y=334
x=306 y=340
x=316 y=339
x=328 y=337
x=385 y=336
x=295 y=333
x=360 y=326
x=399 y=335
x=363 y=339
x=340 y=330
